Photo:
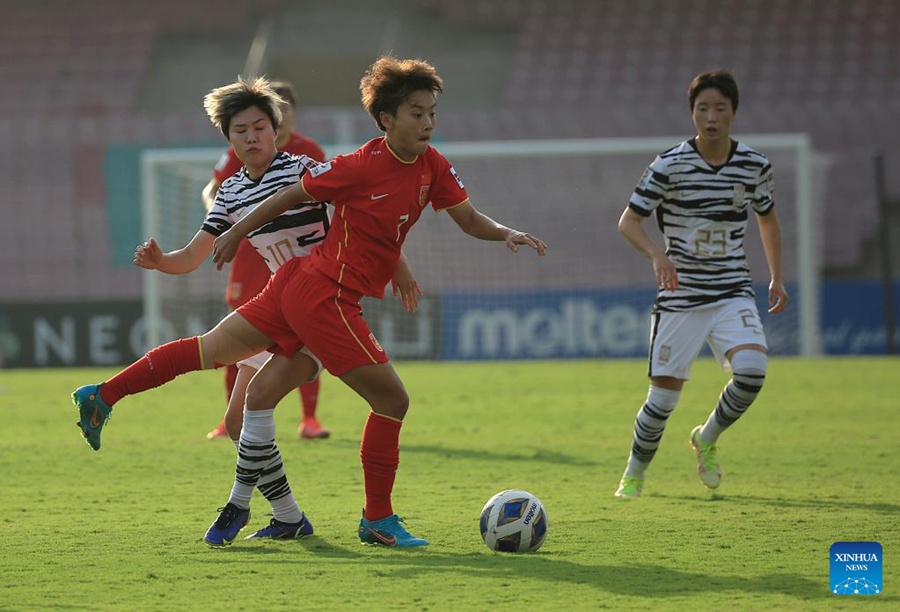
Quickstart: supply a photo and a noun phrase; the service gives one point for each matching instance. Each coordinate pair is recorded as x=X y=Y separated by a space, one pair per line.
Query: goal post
x=589 y=297
x=172 y=210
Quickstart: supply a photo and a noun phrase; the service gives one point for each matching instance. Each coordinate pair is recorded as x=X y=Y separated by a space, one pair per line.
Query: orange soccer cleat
x=311 y=429
x=218 y=432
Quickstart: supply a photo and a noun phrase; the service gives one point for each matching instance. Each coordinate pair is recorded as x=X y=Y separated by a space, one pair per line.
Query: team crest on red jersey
x=423 y=195
x=423 y=190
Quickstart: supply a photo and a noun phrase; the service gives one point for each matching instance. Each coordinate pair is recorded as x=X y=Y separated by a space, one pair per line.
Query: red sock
x=156 y=368
x=380 y=453
x=309 y=397
x=230 y=378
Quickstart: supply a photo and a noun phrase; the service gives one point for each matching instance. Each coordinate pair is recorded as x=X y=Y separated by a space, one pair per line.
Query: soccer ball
x=513 y=521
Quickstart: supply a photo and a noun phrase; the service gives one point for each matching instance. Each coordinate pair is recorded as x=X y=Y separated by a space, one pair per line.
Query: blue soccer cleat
x=278 y=530
x=387 y=532
x=93 y=413
x=230 y=522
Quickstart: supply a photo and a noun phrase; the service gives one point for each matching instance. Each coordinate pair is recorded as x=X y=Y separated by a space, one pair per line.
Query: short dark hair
x=387 y=83
x=286 y=91
x=716 y=79
x=223 y=103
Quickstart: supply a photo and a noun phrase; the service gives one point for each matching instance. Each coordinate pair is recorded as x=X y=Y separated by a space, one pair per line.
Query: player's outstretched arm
x=479 y=225
x=226 y=245
x=149 y=255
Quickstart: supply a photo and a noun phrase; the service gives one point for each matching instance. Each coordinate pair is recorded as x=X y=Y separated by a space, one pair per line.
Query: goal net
x=589 y=297
x=177 y=306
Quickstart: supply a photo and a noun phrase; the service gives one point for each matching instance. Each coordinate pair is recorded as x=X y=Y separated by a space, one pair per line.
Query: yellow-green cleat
x=630 y=488
x=707 y=460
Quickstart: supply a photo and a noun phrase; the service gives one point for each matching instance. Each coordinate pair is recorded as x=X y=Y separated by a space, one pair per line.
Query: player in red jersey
x=378 y=193
x=248 y=272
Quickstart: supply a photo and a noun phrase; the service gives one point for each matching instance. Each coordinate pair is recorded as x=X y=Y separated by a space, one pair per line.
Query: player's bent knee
x=261 y=397
x=394 y=404
x=749 y=368
x=750 y=361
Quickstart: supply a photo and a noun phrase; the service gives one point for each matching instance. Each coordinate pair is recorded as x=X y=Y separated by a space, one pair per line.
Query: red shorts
x=248 y=274
x=303 y=307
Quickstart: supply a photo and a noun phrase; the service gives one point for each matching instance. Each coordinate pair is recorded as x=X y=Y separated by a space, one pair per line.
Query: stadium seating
x=70 y=92
x=577 y=69
x=828 y=67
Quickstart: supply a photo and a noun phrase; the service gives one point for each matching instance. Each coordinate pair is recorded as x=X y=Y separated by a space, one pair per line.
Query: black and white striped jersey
x=702 y=211
x=291 y=234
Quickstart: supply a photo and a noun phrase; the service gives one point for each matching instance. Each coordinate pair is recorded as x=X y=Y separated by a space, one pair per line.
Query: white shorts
x=676 y=338
x=259 y=360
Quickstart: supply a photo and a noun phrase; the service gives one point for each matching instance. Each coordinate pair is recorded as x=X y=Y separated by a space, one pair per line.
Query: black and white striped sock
x=259 y=464
x=274 y=486
x=748 y=375
x=648 y=429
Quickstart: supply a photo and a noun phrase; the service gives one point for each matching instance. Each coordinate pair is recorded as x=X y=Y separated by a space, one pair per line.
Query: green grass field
x=815 y=461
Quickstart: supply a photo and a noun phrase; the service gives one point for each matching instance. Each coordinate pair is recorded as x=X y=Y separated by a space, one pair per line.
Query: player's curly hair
x=223 y=103
x=387 y=83
x=717 y=79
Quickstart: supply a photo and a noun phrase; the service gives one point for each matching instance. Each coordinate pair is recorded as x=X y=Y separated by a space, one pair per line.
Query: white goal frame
x=807 y=273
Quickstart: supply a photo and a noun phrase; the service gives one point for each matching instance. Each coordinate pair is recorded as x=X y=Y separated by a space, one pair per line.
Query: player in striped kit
x=248 y=114
x=248 y=273
x=702 y=192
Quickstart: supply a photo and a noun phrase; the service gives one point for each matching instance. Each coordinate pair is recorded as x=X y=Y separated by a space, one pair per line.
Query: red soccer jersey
x=298 y=144
x=377 y=198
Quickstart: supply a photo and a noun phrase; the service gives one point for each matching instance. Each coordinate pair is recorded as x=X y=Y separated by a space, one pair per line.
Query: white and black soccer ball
x=513 y=521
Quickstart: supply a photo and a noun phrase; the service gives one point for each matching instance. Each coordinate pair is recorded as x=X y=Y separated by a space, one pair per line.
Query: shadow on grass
x=538 y=454
x=314 y=544
x=633 y=580
x=782 y=502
